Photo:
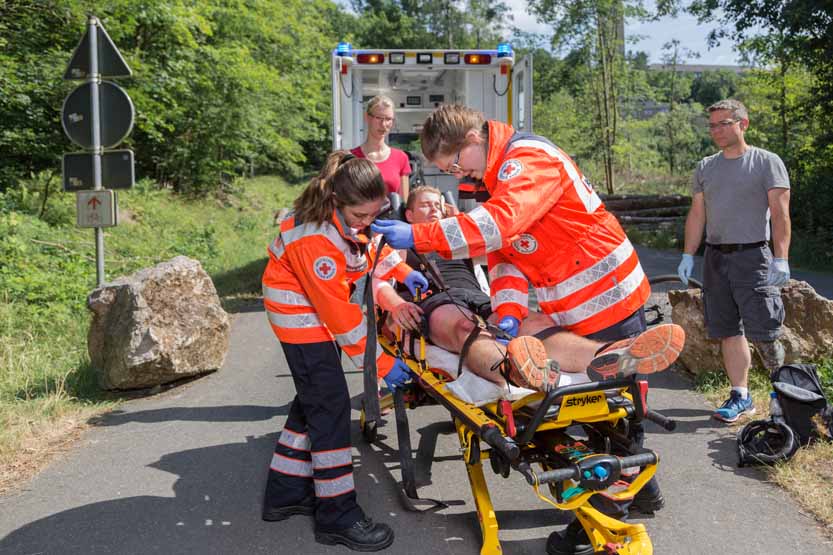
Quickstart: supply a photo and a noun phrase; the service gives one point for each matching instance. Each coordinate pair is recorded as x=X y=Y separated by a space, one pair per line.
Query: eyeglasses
x=722 y=124
x=454 y=167
x=382 y=119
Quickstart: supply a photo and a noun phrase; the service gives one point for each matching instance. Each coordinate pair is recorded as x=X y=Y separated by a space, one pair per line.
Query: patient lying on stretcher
x=457 y=307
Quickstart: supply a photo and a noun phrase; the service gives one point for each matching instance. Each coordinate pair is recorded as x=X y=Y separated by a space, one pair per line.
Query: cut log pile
x=649 y=212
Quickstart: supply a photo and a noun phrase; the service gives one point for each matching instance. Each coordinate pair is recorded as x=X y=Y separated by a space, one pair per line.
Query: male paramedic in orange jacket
x=543 y=224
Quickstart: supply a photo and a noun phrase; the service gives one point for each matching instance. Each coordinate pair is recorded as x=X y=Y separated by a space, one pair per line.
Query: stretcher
x=530 y=435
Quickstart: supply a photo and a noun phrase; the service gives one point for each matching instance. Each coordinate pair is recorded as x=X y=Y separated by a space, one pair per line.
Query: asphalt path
x=183 y=472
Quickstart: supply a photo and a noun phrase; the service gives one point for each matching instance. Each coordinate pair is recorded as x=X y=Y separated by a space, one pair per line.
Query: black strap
x=406 y=460
x=547 y=332
x=372 y=412
x=464 y=350
x=432 y=269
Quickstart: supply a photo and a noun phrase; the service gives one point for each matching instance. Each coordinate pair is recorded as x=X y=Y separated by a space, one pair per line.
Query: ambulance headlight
x=396 y=57
x=425 y=57
x=343 y=49
x=451 y=57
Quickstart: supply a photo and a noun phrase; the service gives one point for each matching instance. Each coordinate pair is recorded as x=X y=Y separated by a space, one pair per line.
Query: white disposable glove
x=685 y=268
x=779 y=272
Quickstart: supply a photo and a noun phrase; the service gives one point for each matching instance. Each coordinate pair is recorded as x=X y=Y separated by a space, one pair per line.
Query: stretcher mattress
x=471 y=388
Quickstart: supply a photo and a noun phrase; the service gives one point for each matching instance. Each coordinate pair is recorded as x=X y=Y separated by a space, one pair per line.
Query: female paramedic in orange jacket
x=321 y=250
x=543 y=224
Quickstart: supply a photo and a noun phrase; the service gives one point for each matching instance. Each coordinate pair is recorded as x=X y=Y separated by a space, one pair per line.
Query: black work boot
x=572 y=541
x=648 y=500
x=364 y=535
x=304 y=507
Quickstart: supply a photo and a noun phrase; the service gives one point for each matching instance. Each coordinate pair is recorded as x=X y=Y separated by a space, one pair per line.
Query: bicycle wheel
x=658 y=308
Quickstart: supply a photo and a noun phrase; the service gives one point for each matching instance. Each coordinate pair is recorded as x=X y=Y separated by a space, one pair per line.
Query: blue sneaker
x=734 y=407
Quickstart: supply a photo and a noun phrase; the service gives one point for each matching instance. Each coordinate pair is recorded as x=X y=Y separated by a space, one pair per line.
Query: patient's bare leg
x=449 y=329
x=573 y=352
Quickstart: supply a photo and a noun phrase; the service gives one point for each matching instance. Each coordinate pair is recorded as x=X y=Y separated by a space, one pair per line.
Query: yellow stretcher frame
x=476 y=425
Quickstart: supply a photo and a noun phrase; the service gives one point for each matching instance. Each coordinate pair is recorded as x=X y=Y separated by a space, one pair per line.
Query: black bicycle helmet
x=765 y=442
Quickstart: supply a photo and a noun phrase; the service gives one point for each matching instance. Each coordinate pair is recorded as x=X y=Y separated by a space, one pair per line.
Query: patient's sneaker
x=529 y=366
x=651 y=351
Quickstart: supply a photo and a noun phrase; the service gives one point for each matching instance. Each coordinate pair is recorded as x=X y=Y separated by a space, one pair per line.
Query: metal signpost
x=97 y=115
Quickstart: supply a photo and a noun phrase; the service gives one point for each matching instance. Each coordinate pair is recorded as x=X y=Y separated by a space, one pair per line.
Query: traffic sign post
x=97 y=115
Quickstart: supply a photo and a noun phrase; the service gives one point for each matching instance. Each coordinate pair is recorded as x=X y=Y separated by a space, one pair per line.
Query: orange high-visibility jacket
x=545 y=225
x=306 y=285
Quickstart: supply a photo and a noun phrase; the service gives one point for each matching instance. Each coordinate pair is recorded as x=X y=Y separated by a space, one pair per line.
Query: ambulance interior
x=416 y=92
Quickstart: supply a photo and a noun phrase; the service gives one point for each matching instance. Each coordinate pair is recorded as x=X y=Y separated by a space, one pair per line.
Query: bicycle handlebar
x=574 y=472
x=506 y=446
x=661 y=420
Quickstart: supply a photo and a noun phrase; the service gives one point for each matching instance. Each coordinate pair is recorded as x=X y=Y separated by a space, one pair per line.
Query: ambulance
x=419 y=81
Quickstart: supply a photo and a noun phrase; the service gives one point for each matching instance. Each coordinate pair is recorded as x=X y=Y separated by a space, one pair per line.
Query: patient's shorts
x=477 y=302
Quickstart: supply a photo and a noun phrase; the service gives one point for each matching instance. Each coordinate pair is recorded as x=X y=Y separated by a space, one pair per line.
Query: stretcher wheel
x=368 y=429
x=500 y=465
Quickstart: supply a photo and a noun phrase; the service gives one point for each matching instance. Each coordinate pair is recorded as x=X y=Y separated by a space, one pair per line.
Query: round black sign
x=115 y=114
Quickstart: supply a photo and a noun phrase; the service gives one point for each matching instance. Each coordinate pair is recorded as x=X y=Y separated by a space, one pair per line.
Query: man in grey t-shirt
x=734 y=195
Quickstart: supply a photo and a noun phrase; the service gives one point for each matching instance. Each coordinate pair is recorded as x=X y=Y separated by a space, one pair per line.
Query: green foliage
x=657 y=239
x=711 y=86
x=826 y=376
x=680 y=135
x=428 y=23
x=47 y=269
x=219 y=86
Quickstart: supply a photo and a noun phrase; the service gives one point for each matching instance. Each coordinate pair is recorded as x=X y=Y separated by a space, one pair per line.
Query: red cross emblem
x=525 y=244
x=324 y=267
x=509 y=169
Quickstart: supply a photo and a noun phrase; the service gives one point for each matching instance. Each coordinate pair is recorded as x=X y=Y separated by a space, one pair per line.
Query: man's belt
x=734 y=247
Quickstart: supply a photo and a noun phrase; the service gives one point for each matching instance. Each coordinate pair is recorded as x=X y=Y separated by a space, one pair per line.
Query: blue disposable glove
x=779 y=272
x=416 y=279
x=510 y=325
x=399 y=234
x=398 y=375
x=685 y=268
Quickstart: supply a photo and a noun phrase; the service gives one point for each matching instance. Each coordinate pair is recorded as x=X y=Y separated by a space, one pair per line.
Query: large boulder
x=808 y=327
x=156 y=326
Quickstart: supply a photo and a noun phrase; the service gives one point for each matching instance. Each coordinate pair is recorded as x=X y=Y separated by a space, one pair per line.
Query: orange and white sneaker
x=529 y=366
x=651 y=351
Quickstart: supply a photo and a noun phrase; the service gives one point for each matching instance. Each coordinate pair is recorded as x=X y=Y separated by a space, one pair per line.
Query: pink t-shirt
x=392 y=169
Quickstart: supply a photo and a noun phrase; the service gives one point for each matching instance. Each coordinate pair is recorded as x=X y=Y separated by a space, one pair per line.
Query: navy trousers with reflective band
x=313 y=453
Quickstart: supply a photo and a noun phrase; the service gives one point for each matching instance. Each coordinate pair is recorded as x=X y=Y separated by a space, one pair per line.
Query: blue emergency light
x=504 y=50
x=343 y=49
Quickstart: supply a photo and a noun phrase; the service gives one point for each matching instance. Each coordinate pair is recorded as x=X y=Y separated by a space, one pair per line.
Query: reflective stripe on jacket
x=544 y=224
x=306 y=285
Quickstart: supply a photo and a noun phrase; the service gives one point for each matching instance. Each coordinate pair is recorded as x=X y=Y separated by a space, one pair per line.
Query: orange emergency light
x=478 y=59
x=370 y=58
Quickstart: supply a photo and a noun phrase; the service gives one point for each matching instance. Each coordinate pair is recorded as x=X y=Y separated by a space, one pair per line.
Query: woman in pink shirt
x=392 y=162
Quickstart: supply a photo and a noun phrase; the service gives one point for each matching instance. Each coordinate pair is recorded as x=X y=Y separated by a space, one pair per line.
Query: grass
x=808 y=476
x=48 y=390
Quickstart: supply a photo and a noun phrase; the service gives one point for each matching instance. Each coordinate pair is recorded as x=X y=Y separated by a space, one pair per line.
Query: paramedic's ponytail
x=343 y=181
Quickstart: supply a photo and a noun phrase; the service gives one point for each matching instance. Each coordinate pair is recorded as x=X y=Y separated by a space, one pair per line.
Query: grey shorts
x=736 y=299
